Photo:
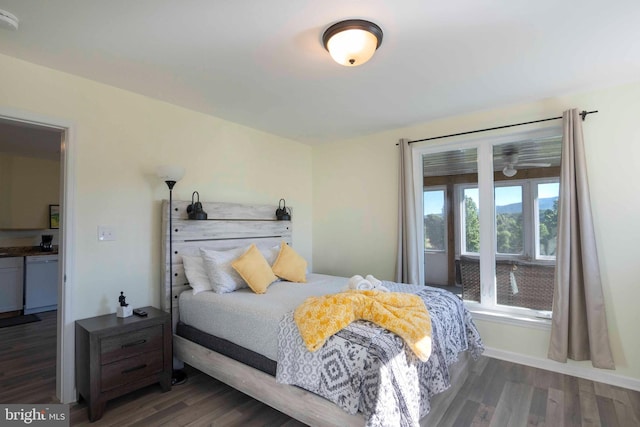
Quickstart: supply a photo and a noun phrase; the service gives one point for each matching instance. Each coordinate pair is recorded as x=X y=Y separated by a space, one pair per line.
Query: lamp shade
x=352 y=42
x=170 y=172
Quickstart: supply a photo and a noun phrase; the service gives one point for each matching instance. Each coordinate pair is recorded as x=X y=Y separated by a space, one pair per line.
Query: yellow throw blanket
x=404 y=314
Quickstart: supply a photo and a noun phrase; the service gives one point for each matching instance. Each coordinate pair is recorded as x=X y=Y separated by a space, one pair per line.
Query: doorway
x=31 y=136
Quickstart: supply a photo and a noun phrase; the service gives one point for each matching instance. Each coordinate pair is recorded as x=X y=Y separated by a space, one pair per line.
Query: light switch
x=106 y=233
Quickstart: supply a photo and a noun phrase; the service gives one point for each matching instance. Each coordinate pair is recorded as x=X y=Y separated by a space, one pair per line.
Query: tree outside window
x=472 y=225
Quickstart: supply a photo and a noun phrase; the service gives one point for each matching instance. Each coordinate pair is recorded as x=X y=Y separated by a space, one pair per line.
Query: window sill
x=510 y=318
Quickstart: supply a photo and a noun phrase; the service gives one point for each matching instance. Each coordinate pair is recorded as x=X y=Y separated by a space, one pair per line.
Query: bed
x=244 y=356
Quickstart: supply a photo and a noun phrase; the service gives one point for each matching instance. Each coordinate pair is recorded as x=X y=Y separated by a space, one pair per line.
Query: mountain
x=517 y=207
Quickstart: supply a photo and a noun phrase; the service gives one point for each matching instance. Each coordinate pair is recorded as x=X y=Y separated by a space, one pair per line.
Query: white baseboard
x=599 y=375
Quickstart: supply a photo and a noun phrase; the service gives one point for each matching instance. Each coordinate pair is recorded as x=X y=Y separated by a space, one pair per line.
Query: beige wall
x=355 y=198
x=27 y=187
x=120 y=139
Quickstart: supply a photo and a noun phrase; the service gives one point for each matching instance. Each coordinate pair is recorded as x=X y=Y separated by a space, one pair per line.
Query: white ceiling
x=262 y=63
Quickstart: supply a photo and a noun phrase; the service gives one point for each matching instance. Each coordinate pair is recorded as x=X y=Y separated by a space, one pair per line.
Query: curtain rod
x=583 y=114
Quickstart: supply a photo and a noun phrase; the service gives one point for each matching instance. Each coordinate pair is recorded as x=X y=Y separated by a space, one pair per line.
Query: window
x=435 y=220
x=470 y=221
x=504 y=254
x=521 y=233
x=547 y=195
x=509 y=219
x=527 y=219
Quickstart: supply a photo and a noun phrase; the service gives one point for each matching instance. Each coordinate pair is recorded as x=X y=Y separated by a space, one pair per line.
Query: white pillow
x=221 y=274
x=196 y=273
x=270 y=254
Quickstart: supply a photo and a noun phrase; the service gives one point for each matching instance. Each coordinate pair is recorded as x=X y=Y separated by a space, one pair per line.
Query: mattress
x=251 y=320
x=358 y=368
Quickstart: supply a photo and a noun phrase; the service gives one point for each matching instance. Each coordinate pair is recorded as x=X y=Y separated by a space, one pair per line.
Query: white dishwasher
x=40 y=283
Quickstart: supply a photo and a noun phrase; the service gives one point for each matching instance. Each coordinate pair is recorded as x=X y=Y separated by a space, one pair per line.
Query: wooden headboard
x=228 y=226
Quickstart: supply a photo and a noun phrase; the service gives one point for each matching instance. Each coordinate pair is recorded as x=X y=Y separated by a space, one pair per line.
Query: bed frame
x=230 y=225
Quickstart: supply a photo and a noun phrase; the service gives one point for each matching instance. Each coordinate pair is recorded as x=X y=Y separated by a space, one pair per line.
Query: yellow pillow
x=289 y=265
x=255 y=270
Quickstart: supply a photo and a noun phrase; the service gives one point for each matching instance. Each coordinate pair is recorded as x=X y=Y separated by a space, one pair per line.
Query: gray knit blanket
x=368 y=369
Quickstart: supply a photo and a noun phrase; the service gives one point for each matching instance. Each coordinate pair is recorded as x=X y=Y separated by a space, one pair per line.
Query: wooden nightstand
x=115 y=356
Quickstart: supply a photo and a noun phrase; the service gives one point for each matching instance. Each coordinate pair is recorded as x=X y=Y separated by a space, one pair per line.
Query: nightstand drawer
x=128 y=370
x=122 y=346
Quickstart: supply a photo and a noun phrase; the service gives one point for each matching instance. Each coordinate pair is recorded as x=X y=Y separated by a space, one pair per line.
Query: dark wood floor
x=497 y=393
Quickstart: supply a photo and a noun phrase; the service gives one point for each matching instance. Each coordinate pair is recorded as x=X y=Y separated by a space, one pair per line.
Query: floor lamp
x=170 y=175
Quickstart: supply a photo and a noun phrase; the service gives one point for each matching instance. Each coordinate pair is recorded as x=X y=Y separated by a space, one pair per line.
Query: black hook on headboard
x=194 y=210
x=283 y=213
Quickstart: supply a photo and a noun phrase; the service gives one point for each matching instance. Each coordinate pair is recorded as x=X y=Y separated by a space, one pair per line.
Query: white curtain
x=579 y=325
x=409 y=261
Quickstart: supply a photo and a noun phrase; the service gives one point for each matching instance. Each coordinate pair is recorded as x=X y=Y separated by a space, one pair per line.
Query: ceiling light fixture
x=509 y=171
x=352 y=42
x=8 y=20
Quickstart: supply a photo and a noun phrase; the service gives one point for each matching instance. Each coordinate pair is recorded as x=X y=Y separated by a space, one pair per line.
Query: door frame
x=65 y=347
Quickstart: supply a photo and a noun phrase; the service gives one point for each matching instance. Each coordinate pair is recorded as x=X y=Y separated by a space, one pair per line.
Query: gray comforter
x=369 y=369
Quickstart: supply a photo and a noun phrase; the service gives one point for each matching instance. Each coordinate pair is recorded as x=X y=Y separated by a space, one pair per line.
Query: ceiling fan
x=511 y=163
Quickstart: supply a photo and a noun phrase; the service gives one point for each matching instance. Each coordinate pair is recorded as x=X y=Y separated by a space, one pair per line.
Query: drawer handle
x=131 y=344
x=135 y=368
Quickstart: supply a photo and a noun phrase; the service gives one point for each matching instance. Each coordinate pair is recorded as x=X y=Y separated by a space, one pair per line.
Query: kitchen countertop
x=18 y=251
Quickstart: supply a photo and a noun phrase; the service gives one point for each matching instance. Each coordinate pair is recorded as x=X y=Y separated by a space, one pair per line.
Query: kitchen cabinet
x=11 y=283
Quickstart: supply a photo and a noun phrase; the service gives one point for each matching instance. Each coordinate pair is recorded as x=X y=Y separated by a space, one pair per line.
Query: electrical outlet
x=106 y=233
